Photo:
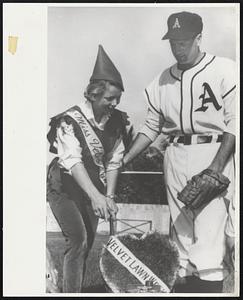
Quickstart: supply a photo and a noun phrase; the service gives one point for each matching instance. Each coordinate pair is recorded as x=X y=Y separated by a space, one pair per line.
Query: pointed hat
x=104 y=69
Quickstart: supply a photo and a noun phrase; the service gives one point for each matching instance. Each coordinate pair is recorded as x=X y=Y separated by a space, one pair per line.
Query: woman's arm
x=113 y=164
x=98 y=201
x=70 y=158
x=112 y=178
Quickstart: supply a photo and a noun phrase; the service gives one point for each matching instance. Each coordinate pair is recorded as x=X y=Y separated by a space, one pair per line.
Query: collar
x=176 y=73
x=87 y=110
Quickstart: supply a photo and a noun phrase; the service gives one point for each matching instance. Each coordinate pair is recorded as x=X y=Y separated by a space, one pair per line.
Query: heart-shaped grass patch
x=154 y=250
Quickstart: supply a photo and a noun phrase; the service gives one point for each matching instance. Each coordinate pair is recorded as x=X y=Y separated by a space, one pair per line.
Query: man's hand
x=203 y=188
x=100 y=207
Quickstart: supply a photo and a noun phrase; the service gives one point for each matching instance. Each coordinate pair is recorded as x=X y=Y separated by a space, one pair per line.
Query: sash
x=133 y=264
x=94 y=144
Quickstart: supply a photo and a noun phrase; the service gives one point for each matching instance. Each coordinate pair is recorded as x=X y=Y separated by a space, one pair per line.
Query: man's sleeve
x=229 y=88
x=154 y=119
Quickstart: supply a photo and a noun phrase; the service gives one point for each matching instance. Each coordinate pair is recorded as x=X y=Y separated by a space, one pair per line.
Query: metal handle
x=112 y=226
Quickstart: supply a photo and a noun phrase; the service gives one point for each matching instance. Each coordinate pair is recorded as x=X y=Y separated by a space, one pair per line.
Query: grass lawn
x=93 y=280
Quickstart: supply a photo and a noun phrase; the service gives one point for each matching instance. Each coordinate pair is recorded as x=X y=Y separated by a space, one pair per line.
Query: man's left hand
x=203 y=188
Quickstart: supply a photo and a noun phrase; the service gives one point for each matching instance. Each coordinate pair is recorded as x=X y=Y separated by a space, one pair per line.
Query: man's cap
x=183 y=25
x=104 y=69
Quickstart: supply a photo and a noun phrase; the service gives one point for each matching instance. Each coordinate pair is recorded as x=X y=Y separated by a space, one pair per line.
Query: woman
x=89 y=140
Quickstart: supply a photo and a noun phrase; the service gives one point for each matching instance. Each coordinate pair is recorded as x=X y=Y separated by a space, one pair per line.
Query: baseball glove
x=203 y=188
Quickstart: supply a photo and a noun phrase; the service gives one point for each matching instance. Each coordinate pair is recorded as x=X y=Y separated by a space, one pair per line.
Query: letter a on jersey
x=208 y=97
x=176 y=24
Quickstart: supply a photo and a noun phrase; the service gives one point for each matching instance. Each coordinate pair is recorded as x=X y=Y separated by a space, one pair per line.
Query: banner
x=95 y=147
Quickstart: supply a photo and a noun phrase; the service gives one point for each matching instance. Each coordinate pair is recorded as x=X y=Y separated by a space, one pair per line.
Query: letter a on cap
x=176 y=24
x=104 y=69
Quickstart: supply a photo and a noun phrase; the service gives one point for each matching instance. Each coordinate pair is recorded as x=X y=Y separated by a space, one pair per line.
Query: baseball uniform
x=193 y=108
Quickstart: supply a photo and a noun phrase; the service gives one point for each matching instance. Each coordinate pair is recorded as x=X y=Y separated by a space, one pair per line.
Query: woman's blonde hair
x=97 y=88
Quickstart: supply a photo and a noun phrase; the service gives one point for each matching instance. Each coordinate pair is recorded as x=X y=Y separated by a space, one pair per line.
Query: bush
x=143 y=188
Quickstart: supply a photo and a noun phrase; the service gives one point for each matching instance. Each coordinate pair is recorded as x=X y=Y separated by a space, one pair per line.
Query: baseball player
x=192 y=102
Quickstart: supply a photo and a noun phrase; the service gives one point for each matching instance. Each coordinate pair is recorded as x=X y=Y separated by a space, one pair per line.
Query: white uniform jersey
x=200 y=100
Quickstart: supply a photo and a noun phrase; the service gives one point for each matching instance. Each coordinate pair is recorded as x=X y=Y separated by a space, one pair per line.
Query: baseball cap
x=183 y=25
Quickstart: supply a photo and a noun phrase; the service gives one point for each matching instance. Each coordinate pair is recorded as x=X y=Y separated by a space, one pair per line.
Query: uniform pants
x=199 y=235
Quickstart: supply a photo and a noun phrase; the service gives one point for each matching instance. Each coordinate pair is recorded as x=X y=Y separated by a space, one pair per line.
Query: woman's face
x=110 y=99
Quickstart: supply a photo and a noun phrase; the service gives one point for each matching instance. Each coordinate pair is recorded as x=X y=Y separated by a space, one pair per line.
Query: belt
x=195 y=139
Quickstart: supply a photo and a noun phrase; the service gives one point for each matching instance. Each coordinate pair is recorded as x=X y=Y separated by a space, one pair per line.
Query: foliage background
x=144 y=188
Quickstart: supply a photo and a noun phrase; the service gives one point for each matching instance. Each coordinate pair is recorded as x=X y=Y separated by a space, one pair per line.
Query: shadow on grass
x=95 y=289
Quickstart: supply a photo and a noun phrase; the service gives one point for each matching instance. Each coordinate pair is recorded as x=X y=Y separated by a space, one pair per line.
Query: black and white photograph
x=128 y=150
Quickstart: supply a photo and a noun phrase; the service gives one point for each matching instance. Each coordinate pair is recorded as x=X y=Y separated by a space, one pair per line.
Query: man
x=192 y=102
x=89 y=140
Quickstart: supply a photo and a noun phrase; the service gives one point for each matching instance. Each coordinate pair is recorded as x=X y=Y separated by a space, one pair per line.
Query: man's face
x=110 y=99
x=185 y=51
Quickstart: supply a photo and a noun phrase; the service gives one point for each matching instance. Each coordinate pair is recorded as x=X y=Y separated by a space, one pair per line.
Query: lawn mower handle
x=112 y=226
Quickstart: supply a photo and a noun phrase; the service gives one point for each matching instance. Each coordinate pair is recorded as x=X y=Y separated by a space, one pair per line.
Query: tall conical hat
x=104 y=69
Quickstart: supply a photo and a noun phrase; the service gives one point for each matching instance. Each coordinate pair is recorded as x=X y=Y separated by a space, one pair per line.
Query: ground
x=94 y=282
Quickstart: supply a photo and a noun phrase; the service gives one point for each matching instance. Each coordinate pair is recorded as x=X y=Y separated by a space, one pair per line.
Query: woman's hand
x=112 y=207
x=100 y=207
